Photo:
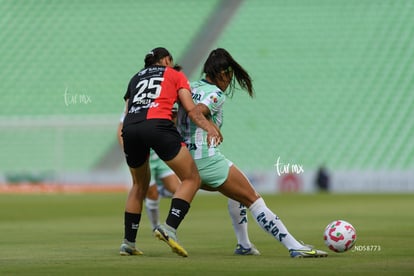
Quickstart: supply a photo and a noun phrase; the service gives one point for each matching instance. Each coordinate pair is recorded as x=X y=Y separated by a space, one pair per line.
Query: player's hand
x=214 y=137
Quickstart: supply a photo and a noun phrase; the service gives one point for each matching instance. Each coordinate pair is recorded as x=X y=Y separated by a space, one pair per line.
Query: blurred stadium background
x=334 y=87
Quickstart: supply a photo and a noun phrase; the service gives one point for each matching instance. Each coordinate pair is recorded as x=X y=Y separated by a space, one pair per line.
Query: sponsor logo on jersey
x=143 y=72
x=153 y=105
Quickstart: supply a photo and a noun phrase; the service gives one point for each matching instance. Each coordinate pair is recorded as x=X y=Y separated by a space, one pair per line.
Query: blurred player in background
x=148 y=124
x=217 y=173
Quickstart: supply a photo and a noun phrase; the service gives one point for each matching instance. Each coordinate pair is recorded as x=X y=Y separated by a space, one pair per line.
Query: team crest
x=213 y=99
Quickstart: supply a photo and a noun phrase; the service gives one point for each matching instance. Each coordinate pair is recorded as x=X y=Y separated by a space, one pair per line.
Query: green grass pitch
x=80 y=234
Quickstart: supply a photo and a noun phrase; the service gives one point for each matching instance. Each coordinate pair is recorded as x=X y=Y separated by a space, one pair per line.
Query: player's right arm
x=196 y=114
x=207 y=113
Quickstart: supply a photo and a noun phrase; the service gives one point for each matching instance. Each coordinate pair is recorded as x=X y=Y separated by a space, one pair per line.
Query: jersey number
x=151 y=87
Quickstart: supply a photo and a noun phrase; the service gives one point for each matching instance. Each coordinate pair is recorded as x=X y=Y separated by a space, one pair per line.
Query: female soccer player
x=149 y=98
x=218 y=173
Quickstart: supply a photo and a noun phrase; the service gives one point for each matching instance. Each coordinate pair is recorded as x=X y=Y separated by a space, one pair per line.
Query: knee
x=194 y=180
x=197 y=179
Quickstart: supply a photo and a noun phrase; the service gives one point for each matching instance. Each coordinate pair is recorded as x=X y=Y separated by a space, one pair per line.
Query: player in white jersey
x=216 y=172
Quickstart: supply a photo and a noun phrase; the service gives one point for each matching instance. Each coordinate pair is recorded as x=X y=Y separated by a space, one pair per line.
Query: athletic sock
x=272 y=224
x=153 y=212
x=131 y=225
x=238 y=214
x=178 y=210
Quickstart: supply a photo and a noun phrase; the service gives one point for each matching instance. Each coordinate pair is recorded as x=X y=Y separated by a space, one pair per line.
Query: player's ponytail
x=155 y=55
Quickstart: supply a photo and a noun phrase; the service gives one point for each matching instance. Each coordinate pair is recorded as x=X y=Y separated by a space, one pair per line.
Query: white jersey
x=195 y=137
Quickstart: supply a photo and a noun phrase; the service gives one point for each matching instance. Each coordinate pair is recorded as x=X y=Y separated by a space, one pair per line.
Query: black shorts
x=158 y=134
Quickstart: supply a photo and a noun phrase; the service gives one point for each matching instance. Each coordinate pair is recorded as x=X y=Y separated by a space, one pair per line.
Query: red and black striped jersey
x=152 y=93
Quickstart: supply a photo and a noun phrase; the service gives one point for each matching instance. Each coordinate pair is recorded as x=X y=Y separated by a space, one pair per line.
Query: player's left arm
x=120 y=125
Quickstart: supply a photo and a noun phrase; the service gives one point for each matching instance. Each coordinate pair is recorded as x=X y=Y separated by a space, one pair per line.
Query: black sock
x=178 y=210
x=131 y=225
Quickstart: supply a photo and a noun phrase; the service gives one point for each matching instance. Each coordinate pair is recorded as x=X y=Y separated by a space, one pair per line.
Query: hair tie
x=151 y=53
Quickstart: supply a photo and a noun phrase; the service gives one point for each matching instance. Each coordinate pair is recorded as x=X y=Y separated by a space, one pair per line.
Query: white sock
x=271 y=223
x=238 y=214
x=153 y=211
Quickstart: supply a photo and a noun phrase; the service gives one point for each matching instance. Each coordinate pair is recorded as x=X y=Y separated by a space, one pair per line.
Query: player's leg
x=152 y=202
x=213 y=172
x=133 y=208
x=136 y=154
x=238 y=187
x=238 y=215
x=169 y=147
x=161 y=176
x=171 y=183
x=184 y=167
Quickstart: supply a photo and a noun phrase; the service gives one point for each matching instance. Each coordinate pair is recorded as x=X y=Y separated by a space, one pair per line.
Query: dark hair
x=155 y=55
x=177 y=67
x=220 y=61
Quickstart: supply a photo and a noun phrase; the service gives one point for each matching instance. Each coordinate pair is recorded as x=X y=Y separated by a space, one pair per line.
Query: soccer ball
x=339 y=236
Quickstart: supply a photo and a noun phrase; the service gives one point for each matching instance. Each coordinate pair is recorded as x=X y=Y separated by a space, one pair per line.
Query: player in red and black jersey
x=153 y=91
x=150 y=97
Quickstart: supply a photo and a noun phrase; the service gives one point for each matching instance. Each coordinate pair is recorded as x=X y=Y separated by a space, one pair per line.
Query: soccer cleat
x=240 y=250
x=128 y=249
x=307 y=251
x=164 y=234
